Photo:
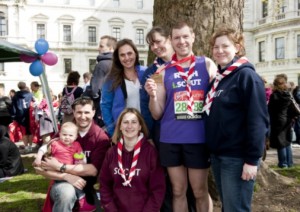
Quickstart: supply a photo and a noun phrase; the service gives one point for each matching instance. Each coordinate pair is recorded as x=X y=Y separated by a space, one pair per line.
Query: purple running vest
x=176 y=126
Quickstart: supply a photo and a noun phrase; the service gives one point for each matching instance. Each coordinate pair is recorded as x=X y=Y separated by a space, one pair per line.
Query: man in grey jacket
x=104 y=59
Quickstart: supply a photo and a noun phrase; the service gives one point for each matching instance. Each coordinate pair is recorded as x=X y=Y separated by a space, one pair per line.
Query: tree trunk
x=202 y=15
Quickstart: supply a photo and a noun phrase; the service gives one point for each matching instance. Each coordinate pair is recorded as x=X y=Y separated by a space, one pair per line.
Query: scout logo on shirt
x=181 y=104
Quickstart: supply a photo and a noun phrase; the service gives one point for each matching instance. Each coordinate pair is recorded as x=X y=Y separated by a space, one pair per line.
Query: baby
x=67 y=151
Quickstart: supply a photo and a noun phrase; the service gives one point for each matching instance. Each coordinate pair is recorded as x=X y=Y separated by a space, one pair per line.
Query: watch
x=63 y=168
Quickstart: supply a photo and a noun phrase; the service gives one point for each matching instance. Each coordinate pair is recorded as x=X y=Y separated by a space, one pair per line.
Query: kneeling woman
x=131 y=178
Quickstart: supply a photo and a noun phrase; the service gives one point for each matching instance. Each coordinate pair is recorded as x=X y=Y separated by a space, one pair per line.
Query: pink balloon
x=27 y=59
x=49 y=58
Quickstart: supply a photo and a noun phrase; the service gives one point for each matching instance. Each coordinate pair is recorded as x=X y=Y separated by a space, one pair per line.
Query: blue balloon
x=41 y=46
x=36 y=68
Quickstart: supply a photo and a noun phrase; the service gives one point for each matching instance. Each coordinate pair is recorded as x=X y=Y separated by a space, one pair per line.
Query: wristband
x=63 y=168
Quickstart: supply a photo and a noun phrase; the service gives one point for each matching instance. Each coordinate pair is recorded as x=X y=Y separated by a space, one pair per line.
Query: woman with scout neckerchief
x=131 y=178
x=176 y=97
x=237 y=121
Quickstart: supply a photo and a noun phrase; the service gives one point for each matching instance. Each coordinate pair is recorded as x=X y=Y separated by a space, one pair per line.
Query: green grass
x=24 y=193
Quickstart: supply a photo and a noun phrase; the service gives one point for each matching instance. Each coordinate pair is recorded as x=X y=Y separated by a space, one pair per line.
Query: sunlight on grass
x=292 y=172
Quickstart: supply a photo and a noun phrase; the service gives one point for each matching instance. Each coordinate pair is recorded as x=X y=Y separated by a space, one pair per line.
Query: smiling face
x=161 y=46
x=182 y=41
x=130 y=126
x=224 y=50
x=68 y=135
x=83 y=115
x=127 y=56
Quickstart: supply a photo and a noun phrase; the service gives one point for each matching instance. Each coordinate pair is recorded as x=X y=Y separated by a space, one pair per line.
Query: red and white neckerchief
x=186 y=76
x=136 y=153
x=211 y=94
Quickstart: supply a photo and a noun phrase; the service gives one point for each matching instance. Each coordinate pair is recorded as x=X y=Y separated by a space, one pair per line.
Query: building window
x=280 y=6
x=139 y=37
x=139 y=4
x=67 y=33
x=261 y=53
x=298 y=4
x=92 y=34
x=265 y=8
x=1 y=67
x=141 y=62
x=116 y=32
x=279 y=48
x=92 y=64
x=68 y=65
x=2 y=26
x=116 y=3
x=40 y=31
x=298 y=45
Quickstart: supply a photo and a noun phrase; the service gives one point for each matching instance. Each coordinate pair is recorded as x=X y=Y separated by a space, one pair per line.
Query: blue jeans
x=285 y=157
x=64 y=197
x=235 y=193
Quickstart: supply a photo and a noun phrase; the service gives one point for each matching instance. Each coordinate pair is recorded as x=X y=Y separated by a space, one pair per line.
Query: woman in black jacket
x=281 y=121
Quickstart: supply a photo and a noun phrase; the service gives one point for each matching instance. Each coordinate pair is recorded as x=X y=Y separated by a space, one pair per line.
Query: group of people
x=148 y=135
x=168 y=122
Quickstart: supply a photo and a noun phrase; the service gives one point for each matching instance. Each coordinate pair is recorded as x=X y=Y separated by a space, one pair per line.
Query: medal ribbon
x=136 y=153
x=186 y=76
x=211 y=94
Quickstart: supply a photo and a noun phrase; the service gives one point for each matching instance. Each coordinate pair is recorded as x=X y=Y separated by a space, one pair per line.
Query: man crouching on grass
x=94 y=143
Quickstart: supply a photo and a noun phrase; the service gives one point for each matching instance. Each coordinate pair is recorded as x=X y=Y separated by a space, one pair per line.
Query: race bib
x=181 y=105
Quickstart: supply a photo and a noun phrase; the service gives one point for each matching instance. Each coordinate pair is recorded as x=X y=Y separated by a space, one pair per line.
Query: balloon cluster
x=49 y=58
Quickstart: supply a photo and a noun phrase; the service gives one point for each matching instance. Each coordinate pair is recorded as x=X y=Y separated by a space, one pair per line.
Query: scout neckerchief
x=211 y=94
x=186 y=76
x=137 y=149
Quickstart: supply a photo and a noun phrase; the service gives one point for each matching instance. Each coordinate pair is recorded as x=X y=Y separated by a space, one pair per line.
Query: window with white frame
x=139 y=36
x=40 y=31
x=68 y=65
x=140 y=4
x=280 y=6
x=92 y=64
x=261 y=51
x=279 y=48
x=116 y=32
x=298 y=45
x=92 y=34
x=298 y=4
x=67 y=33
x=116 y=3
x=2 y=25
x=264 y=8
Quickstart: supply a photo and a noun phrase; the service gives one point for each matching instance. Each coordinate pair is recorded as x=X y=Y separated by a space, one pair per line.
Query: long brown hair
x=117 y=133
x=116 y=73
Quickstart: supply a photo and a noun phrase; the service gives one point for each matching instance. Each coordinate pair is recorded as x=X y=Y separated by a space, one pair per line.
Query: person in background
x=36 y=92
x=296 y=95
x=11 y=94
x=95 y=144
x=236 y=122
x=20 y=114
x=86 y=79
x=5 y=108
x=104 y=60
x=122 y=87
x=176 y=97
x=281 y=121
x=10 y=159
x=71 y=88
x=131 y=178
